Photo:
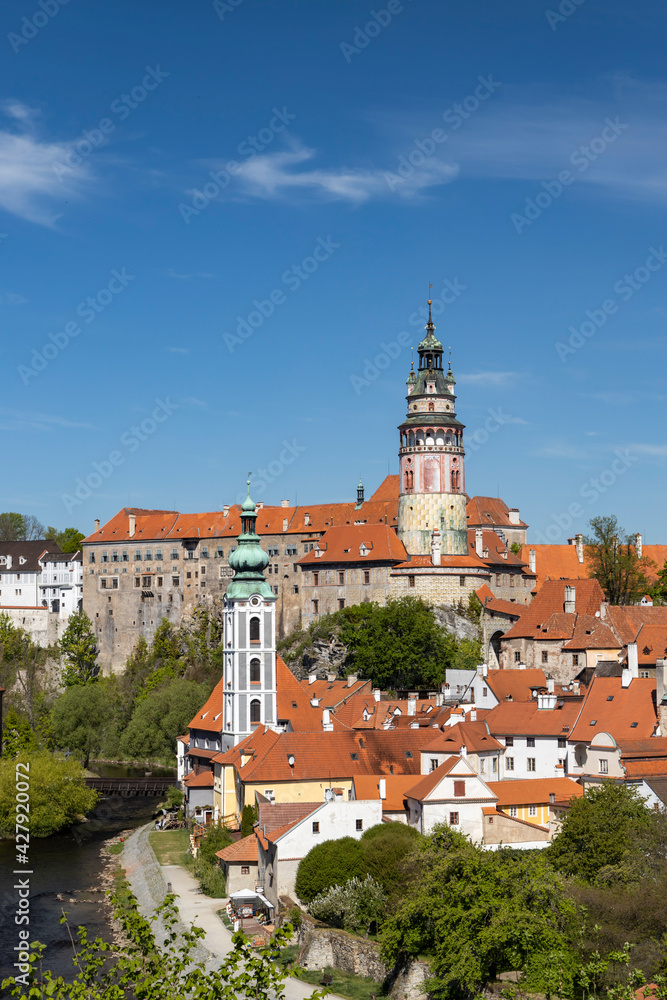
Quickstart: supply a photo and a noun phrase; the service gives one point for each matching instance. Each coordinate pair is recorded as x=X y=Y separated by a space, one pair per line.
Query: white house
x=535 y=735
x=60 y=582
x=20 y=570
x=453 y=794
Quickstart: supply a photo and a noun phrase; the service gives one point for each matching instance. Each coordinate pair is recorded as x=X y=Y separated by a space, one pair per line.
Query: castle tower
x=431 y=457
x=249 y=637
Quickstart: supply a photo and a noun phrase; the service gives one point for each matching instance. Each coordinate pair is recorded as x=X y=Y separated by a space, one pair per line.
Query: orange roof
x=474 y=736
x=645 y=768
x=517 y=685
x=209 y=716
x=347 y=544
x=624 y=713
x=522 y=718
x=532 y=791
x=481 y=511
x=275 y=815
x=366 y=786
x=651 y=643
x=491 y=603
x=626 y=620
x=293 y=702
x=332 y=694
x=552 y=562
x=202 y=780
x=656 y=746
x=430 y=781
x=591 y=633
x=242 y=852
x=387 y=491
x=497 y=554
x=550 y=599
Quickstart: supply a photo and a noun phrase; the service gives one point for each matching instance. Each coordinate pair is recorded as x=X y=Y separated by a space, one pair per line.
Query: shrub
x=356 y=906
x=384 y=847
x=332 y=862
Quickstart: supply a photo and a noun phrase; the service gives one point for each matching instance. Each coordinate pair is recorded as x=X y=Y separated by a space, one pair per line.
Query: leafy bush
x=248 y=820
x=216 y=839
x=58 y=793
x=211 y=878
x=294 y=917
x=384 y=847
x=357 y=905
x=332 y=862
x=159 y=719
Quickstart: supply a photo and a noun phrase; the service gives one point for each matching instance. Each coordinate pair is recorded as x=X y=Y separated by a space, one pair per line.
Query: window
x=462 y=581
x=514 y=812
x=459 y=789
x=482 y=765
x=145 y=581
x=530 y=742
x=517 y=657
x=367 y=576
x=485 y=691
x=114 y=583
x=148 y=555
x=453 y=819
x=174 y=554
x=254 y=629
x=295 y=588
x=125 y=557
x=530 y=764
x=643 y=673
x=316 y=607
x=219 y=553
x=175 y=580
x=188 y=576
x=411 y=581
x=341 y=603
x=509 y=741
x=137 y=581
x=545 y=656
x=434 y=763
x=562 y=742
x=204 y=552
x=159 y=581
x=532 y=810
x=114 y=557
x=359 y=824
x=275 y=591
x=494 y=764
x=91 y=557
x=255 y=711
x=269 y=794
x=103 y=583
x=158 y=555
x=291 y=550
x=105 y=557
x=316 y=827
x=498 y=579
x=575 y=659
x=604 y=767
x=137 y=556
x=341 y=578
x=202 y=570
x=255 y=671
x=245 y=869
x=316 y=579
x=509 y=763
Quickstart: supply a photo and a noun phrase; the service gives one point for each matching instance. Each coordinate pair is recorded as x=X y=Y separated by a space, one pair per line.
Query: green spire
x=249 y=560
x=430 y=343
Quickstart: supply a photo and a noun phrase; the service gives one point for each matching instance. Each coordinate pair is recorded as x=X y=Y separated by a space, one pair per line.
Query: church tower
x=431 y=457
x=249 y=637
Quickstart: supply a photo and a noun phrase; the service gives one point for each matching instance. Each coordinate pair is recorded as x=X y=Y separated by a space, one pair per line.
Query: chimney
x=638 y=545
x=306 y=518
x=633 y=662
x=327 y=724
x=579 y=542
x=352 y=679
x=463 y=752
x=603 y=610
x=377 y=694
x=569 y=605
x=661 y=692
x=312 y=678
x=131 y=519
x=479 y=542
x=531 y=560
x=285 y=523
x=382 y=788
x=626 y=677
x=260 y=504
x=576 y=687
x=97 y=524
x=546 y=702
x=513 y=515
x=225 y=510
x=483 y=669
x=315 y=701
x=473 y=715
x=331 y=677
x=284 y=503
x=412 y=705
x=551 y=686
x=436 y=547
x=552 y=798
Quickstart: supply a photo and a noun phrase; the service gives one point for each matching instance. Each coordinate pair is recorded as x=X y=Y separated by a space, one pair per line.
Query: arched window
x=255 y=711
x=431 y=407
x=254 y=629
x=449 y=438
x=411 y=439
x=255 y=671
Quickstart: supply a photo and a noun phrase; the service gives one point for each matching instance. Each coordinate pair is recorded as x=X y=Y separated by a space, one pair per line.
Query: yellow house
x=538 y=801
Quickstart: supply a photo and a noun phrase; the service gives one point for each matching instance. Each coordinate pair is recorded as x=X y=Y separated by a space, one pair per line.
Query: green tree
x=248 y=820
x=160 y=718
x=658 y=590
x=614 y=562
x=81 y=718
x=12 y=527
x=333 y=862
x=384 y=848
x=58 y=793
x=358 y=905
x=68 y=540
x=79 y=649
x=23 y=668
x=476 y=913
x=600 y=832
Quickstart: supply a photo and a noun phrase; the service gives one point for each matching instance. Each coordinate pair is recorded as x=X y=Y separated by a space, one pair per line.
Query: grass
x=171 y=846
x=224 y=916
x=346 y=984
x=115 y=848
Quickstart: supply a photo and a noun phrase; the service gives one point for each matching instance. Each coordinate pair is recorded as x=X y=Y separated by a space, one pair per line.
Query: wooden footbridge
x=131 y=786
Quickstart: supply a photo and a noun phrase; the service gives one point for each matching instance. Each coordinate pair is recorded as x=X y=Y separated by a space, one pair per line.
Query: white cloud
x=277 y=174
x=29 y=187
x=178 y=350
x=28 y=420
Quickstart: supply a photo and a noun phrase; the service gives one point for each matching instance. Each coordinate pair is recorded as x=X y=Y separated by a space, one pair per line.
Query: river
x=70 y=865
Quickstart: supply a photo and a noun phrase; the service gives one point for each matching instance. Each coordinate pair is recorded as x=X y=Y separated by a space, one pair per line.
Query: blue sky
x=215 y=218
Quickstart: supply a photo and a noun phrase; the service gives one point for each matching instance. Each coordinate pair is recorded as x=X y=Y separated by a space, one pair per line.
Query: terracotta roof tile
x=387 y=491
x=474 y=736
x=242 y=852
x=423 y=788
x=652 y=642
x=209 y=716
x=550 y=600
x=516 y=718
x=553 y=562
x=611 y=708
x=367 y=786
x=535 y=791
x=481 y=511
x=515 y=684
x=202 y=780
x=345 y=544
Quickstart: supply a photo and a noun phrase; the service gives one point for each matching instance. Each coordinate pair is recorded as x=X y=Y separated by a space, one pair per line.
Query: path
x=142 y=868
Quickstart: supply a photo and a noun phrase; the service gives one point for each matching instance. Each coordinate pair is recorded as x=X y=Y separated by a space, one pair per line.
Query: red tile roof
x=274 y=816
x=656 y=746
x=611 y=708
x=482 y=511
x=242 y=852
x=645 y=768
x=550 y=600
x=367 y=786
x=517 y=685
x=516 y=718
x=293 y=702
x=430 y=781
x=534 y=791
x=345 y=545
x=202 y=780
x=387 y=491
x=555 y=561
x=651 y=643
x=209 y=716
x=474 y=736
